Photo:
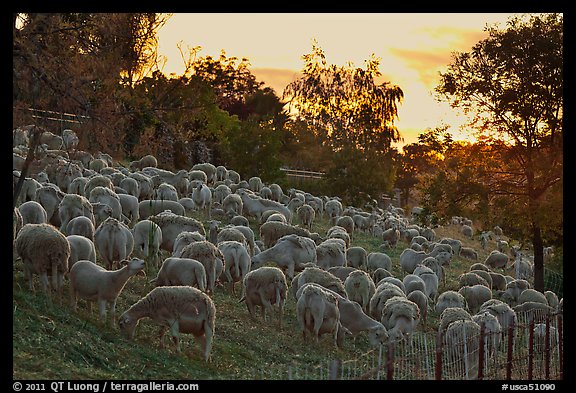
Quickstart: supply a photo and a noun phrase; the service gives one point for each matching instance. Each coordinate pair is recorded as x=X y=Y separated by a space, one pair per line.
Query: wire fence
x=530 y=348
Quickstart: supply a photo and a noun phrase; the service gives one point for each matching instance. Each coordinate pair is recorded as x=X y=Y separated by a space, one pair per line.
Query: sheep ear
x=124 y=262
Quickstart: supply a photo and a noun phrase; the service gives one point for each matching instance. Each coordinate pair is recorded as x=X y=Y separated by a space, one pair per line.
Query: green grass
x=50 y=341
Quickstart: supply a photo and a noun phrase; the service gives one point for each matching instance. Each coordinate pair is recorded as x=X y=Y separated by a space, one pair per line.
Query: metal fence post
x=481 y=351
x=333 y=369
x=531 y=350
x=560 y=346
x=547 y=349
x=510 y=349
x=390 y=362
x=438 y=366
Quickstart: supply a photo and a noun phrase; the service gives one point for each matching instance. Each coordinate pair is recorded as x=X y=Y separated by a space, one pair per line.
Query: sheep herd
x=77 y=211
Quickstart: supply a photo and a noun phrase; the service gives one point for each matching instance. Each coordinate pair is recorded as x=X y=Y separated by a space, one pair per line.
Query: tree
x=511 y=85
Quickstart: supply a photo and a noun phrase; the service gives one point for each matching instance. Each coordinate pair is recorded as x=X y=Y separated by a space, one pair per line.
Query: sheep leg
x=46 y=285
x=113 y=313
x=73 y=299
x=102 y=310
x=161 y=334
x=28 y=276
x=175 y=332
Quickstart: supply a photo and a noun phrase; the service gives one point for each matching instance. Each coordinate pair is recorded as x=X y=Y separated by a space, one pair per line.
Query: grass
x=50 y=341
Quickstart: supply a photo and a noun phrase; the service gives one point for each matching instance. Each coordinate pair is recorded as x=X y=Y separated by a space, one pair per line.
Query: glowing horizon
x=413 y=49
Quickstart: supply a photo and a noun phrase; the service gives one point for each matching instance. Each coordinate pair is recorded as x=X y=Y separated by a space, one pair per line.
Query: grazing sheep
x=94 y=283
x=356 y=257
x=147 y=239
x=540 y=338
x=503 y=312
x=522 y=269
x=291 y=253
x=131 y=186
x=207 y=254
x=409 y=258
x=185 y=238
x=342 y=272
x=331 y=253
x=337 y=232
x=492 y=329
x=97 y=181
x=496 y=259
x=532 y=295
x=271 y=231
x=433 y=264
x=475 y=296
x=44 y=251
x=461 y=341
x=237 y=261
x=333 y=209
x=81 y=248
x=498 y=281
x=452 y=314
x=173 y=224
x=151 y=207
x=233 y=205
x=33 y=213
x=317 y=313
x=320 y=277
x=181 y=271
x=479 y=266
x=146 y=161
x=182 y=309
x=145 y=186
x=454 y=243
x=552 y=299
x=130 y=208
x=166 y=192
x=347 y=223
x=467 y=231
x=264 y=287
x=422 y=301
x=485 y=275
x=400 y=316
x=380 y=273
x=514 y=288
x=469 y=279
x=81 y=225
x=114 y=241
x=448 y=299
x=393 y=280
x=413 y=282
x=306 y=214
x=254 y=206
x=469 y=253
x=73 y=205
x=359 y=287
x=383 y=292
x=391 y=235
x=376 y=260
x=239 y=221
x=50 y=197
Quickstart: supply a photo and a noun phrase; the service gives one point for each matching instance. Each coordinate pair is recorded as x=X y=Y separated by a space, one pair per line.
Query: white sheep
x=237 y=261
x=114 y=241
x=347 y=223
x=147 y=239
x=173 y=224
x=271 y=231
x=264 y=287
x=146 y=161
x=452 y=314
x=44 y=251
x=182 y=309
x=331 y=252
x=356 y=257
x=202 y=196
x=306 y=214
x=320 y=277
x=469 y=253
x=400 y=317
x=492 y=329
x=376 y=260
x=81 y=225
x=185 y=238
x=503 y=312
x=496 y=259
x=291 y=253
x=151 y=207
x=359 y=287
x=462 y=342
x=422 y=301
x=383 y=292
x=380 y=273
x=409 y=258
x=33 y=213
x=81 y=248
x=94 y=283
x=412 y=282
x=130 y=207
x=475 y=296
x=317 y=313
x=233 y=205
x=131 y=186
x=73 y=205
x=181 y=271
x=333 y=209
x=207 y=254
x=448 y=299
x=254 y=206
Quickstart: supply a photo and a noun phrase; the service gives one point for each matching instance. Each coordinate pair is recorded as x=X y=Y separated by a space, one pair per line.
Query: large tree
x=511 y=85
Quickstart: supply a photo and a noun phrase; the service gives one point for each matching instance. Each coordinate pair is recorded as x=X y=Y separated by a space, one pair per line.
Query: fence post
x=438 y=366
x=560 y=346
x=481 y=351
x=547 y=348
x=510 y=348
x=390 y=361
x=333 y=369
x=531 y=350
x=379 y=362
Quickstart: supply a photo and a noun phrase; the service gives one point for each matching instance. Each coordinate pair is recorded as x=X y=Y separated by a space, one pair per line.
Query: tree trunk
x=538 y=257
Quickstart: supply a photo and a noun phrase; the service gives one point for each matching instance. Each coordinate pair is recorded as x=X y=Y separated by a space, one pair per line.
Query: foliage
x=511 y=85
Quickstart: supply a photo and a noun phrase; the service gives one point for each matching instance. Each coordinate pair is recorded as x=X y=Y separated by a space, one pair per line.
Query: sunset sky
x=413 y=49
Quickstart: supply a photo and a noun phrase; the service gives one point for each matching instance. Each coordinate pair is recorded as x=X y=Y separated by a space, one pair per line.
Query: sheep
x=28 y=190
x=264 y=286
x=114 y=241
x=469 y=279
x=182 y=309
x=492 y=329
x=391 y=235
x=479 y=266
x=197 y=174
x=454 y=243
x=146 y=161
x=412 y=282
x=449 y=299
x=209 y=169
x=347 y=223
x=145 y=185
x=354 y=320
x=94 y=283
x=356 y=257
x=77 y=185
x=81 y=248
x=44 y=251
x=317 y=312
x=271 y=231
x=239 y=221
x=393 y=280
x=237 y=261
x=181 y=271
x=504 y=313
x=540 y=338
x=254 y=206
x=376 y=260
x=97 y=181
x=429 y=234
x=233 y=205
x=422 y=301
x=97 y=164
x=515 y=288
x=502 y=246
x=452 y=314
x=496 y=259
x=172 y=224
x=81 y=225
x=33 y=213
x=151 y=207
x=498 y=281
x=342 y=272
x=306 y=214
x=467 y=231
x=469 y=253
x=221 y=173
x=400 y=317
x=202 y=196
x=49 y=197
x=207 y=254
x=532 y=295
x=185 y=238
x=320 y=277
x=17 y=223
x=337 y=232
x=359 y=287
x=552 y=299
x=475 y=296
x=291 y=253
x=522 y=269
x=409 y=258
x=71 y=206
x=379 y=274
x=166 y=192
x=147 y=240
x=131 y=186
x=461 y=341
x=383 y=292
x=333 y=209
x=330 y=253
x=130 y=208
x=436 y=267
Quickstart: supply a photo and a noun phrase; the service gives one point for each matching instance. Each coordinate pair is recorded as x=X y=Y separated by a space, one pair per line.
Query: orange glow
x=414 y=48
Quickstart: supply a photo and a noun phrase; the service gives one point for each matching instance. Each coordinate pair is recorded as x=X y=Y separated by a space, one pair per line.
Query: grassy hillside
x=53 y=342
